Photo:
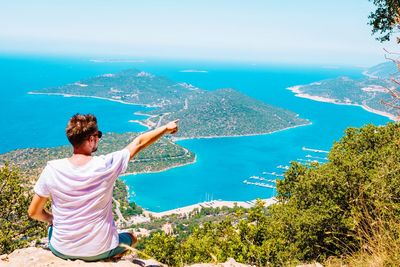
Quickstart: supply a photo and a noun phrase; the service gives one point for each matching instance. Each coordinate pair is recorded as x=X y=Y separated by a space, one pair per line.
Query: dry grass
x=380 y=245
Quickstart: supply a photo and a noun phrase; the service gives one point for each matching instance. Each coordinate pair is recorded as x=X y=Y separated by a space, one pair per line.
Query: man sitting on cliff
x=81 y=188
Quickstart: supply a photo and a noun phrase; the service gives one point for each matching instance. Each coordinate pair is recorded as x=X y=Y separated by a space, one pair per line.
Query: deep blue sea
x=223 y=164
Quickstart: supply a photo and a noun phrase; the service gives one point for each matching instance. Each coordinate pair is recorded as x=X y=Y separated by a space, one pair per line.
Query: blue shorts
x=124 y=238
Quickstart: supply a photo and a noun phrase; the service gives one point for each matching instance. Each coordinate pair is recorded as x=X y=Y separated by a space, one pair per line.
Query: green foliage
x=184 y=225
x=322 y=210
x=385 y=18
x=163 y=247
x=120 y=193
x=131 y=210
x=17 y=230
x=323 y=205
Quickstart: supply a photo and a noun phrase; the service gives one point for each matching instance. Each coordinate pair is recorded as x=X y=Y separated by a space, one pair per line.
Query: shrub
x=17 y=230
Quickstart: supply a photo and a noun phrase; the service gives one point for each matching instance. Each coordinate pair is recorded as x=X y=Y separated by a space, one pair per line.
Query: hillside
x=383 y=70
x=225 y=112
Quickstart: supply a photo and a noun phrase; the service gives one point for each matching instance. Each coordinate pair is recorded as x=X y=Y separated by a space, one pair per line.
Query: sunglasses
x=98 y=134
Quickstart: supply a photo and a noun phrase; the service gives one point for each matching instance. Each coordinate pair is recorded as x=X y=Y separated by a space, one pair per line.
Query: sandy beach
x=210 y=204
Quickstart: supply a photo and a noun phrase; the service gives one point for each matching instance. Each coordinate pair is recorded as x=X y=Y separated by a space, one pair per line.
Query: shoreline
x=163 y=170
x=208 y=204
x=95 y=97
x=238 y=135
x=298 y=93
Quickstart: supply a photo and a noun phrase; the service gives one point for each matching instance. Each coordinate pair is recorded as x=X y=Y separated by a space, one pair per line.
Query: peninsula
x=219 y=113
x=369 y=92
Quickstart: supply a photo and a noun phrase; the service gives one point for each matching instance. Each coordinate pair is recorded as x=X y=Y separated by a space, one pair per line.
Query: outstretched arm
x=146 y=139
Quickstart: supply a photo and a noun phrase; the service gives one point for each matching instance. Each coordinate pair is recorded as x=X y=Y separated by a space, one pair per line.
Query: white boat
x=259 y=184
x=314 y=150
x=283 y=167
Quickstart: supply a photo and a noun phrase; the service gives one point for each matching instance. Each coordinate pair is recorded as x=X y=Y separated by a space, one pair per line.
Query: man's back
x=81 y=187
x=81 y=196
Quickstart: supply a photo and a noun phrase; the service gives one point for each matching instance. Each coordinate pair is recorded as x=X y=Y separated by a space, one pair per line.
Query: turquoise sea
x=223 y=164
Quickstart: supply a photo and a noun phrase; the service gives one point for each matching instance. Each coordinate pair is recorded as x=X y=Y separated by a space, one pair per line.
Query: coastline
x=96 y=97
x=238 y=135
x=140 y=122
x=297 y=92
x=162 y=170
x=209 y=204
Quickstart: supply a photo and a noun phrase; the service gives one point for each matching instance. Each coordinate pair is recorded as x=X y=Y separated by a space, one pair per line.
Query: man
x=80 y=188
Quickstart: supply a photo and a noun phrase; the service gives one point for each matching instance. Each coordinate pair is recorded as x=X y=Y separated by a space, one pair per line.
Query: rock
x=36 y=257
x=147 y=263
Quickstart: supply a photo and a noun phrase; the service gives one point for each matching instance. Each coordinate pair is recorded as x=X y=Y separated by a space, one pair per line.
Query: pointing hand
x=172 y=127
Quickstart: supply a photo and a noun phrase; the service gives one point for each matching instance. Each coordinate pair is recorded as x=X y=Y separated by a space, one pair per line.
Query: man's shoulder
x=118 y=153
x=57 y=163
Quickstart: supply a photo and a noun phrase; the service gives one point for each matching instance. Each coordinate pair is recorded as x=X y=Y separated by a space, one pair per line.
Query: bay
x=223 y=164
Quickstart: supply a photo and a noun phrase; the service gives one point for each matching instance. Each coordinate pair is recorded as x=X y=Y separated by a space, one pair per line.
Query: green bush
x=17 y=230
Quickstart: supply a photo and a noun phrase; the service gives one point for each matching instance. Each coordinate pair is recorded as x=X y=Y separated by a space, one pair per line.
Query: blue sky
x=285 y=31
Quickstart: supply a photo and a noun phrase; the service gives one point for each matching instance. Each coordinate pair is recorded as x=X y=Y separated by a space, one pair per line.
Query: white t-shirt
x=83 y=223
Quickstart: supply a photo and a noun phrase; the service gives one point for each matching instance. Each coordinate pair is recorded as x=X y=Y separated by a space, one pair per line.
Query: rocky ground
x=35 y=257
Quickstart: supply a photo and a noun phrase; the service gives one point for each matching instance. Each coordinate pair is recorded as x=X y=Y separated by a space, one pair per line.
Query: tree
x=162 y=247
x=385 y=19
x=17 y=230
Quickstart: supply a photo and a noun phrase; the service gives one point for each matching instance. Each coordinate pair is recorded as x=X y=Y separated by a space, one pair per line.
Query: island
x=370 y=92
x=203 y=113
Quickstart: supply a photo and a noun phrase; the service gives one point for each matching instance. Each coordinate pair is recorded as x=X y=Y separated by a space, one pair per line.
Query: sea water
x=223 y=165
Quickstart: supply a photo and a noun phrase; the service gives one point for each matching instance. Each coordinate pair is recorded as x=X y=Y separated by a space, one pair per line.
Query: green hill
x=369 y=92
x=224 y=112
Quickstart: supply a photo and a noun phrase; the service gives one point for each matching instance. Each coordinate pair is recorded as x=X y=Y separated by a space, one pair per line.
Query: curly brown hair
x=80 y=127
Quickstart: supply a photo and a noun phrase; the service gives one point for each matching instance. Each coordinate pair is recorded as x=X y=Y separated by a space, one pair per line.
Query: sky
x=282 y=31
